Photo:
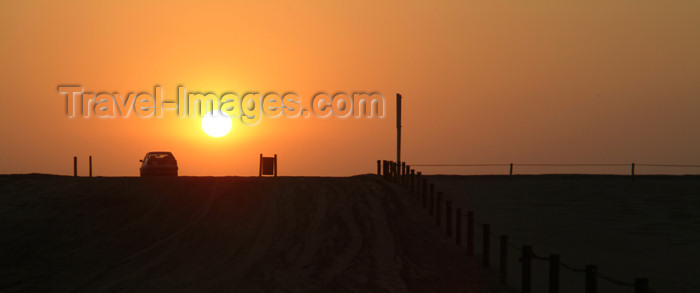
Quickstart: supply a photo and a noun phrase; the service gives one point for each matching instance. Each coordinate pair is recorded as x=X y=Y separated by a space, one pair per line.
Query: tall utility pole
x=398 y=130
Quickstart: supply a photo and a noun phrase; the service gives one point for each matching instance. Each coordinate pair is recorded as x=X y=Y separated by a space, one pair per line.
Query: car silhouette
x=158 y=164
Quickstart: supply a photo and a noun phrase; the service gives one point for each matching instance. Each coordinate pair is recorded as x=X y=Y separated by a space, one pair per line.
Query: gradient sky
x=483 y=81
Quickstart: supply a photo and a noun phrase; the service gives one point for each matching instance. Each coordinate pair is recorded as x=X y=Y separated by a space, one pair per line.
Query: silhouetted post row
x=416 y=183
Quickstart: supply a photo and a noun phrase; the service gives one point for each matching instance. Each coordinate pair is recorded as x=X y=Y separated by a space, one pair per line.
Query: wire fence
x=425 y=193
x=512 y=166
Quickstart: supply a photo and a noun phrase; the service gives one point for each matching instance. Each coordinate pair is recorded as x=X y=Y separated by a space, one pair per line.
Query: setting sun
x=216 y=123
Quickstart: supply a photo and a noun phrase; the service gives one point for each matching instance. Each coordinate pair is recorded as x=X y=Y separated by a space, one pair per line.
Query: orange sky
x=483 y=81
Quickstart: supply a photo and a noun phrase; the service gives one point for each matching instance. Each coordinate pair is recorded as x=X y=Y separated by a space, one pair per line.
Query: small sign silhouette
x=268 y=166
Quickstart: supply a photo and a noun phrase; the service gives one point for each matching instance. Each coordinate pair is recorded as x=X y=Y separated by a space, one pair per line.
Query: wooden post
x=438 y=208
x=511 y=169
x=384 y=169
x=419 y=186
x=448 y=218
x=391 y=170
x=90 y=165
x=261 y=167
x=526 y=281
x=275 y=170
x=632 y=169
x=387 y=170
x=503 y=276
x=458 y=226
x=591 y=278
x=408 y=177
x=379 y=167
x=641 y=285
x=554 y=273
x=397 y=172
x=403 y=174
x=487 y=232
x=75 y=166
x=425 y=192
x=470 y=233
x=431 y=200
x=398 y=129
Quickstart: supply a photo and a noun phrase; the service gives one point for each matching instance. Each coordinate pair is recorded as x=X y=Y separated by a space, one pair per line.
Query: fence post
x=384 y=169
x=425 y=192
x=504 y=260
x=458 y=226
x=438 y=208
x=526 y=281
x=419 y=186
x=641 y=285
x=431 y=200
x=390 y=164
x=487 y=232
x=395 y=167
x=448 y=217
x=395 y=171
x=632 y=169
x=90 y=165
x=75 y=166
x=389 y=172
x=511 y=169
x=470 y=233
x=407 y=176
x=553 y=273
x=403 y=174
x=591 y=278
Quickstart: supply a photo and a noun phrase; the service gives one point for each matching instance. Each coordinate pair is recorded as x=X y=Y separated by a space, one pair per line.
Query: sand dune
x=223 y=234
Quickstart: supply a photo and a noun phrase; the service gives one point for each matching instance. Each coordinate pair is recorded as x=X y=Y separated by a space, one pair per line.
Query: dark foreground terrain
x=223 y=234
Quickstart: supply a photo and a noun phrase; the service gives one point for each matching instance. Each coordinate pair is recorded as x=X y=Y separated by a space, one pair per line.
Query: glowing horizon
x=483 y=82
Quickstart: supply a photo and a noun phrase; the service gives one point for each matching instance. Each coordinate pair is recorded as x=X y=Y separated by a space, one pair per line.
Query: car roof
x=159 y=153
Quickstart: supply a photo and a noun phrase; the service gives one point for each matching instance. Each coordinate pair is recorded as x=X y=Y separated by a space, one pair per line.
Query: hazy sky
x=483 y=81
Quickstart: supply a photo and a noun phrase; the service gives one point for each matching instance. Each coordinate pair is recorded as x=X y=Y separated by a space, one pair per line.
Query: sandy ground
x=646 y=226
x=299 y=234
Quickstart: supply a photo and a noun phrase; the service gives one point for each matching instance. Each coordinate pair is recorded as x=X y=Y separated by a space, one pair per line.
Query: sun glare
x=216 y=123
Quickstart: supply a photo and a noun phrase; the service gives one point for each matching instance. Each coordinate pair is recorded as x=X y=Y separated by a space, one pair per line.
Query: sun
x=216 y=123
